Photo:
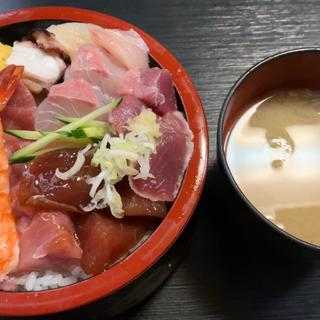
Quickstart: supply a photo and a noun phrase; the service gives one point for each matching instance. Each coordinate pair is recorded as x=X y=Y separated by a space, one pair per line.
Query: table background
x=224 y=274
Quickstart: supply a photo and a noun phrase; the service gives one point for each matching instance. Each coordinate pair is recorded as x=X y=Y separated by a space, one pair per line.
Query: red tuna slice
x=105 y=239
x=48 y=242
x=125 y=46
x=41 y=188
x=153 y=86
x=135 y=206
x=72 y=98
x=174 y=149
x=99 y=68
x=129 y=108
x=20 y=111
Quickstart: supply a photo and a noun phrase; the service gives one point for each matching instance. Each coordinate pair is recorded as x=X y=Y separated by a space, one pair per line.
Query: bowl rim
x=221 y=151
x=123 y=273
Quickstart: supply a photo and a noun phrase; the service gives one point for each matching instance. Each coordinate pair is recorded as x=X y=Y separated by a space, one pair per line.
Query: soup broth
x=273 y=152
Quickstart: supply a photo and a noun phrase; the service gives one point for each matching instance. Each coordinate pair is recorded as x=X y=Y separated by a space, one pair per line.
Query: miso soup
x=273 y=152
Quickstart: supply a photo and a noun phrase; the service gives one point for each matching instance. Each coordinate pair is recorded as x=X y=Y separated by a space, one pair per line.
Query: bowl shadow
x=239 y=274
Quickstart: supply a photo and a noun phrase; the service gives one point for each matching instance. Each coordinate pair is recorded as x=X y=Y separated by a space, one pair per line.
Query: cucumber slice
x=22 y=159
x=97 y=132
x=92 y=123
x=53 y=136
x=34 y=135
x=25 y=134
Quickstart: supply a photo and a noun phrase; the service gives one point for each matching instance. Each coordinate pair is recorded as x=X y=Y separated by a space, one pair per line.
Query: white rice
x=37 y=281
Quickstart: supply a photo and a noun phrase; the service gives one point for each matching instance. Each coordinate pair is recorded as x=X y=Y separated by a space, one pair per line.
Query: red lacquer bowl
x=119 y=276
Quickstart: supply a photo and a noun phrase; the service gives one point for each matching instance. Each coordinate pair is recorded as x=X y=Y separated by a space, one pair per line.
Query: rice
x=37 y=281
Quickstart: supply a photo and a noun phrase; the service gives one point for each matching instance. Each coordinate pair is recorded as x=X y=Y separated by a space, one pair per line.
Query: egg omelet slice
x=5 y=52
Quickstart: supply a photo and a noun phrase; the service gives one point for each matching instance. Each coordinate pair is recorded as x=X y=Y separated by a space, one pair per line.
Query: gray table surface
x=217 y=41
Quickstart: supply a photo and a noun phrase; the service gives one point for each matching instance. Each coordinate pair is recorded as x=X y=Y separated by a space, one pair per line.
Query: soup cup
x=132 y=279
x=294 y=69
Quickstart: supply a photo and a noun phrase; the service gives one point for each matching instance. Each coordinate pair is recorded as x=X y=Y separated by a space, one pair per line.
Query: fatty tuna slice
x=154 y=86
x=48 y=241
x=72 y=98
x=168 y=164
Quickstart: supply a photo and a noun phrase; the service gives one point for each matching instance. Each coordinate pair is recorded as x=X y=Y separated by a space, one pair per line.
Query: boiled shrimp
x=9 y=80
x=9 y=245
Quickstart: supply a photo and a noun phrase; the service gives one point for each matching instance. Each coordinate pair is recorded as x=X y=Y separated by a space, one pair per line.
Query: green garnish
x=25 y=134
x=31 y=149
x=92 y=123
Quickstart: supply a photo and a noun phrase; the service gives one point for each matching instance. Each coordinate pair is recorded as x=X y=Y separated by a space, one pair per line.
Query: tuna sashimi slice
x=20 y=111
x=48 y=241
x=174 y=149
x=125 y=46
x=72 y=98
x=105 y=239
x=153 y=86
x=41 y=189
x=136 y=206
x=129 y=108
x=99 y=68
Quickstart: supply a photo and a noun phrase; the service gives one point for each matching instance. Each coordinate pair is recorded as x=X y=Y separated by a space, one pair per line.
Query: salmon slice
x=9 y=246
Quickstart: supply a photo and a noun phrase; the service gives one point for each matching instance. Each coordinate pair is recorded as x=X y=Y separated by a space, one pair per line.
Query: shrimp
x=9 y=80
x=9 y=244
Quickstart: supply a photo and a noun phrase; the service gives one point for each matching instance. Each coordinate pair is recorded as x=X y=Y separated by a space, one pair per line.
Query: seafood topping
x=48 y=241
x=153 y=86
x=97 y=152
x=167 y=169
x=38 y=65
x=72 y=98
x=99 y=68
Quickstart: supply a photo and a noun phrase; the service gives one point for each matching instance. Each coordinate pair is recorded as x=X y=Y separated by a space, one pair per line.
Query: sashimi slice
x=167 y=165
x=40 y=188
x=136 y=206
x=105 y=239
x=72 y=98
x=48 y=241
x=72 y=35
x=20 y=111
x=99 y=68
x=125 y=46
x=129 y=108
x=38 y=65
x=153 y=86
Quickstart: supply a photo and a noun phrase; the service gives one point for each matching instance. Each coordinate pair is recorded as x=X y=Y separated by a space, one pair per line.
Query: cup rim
x=123 y=273
x=221 y=151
